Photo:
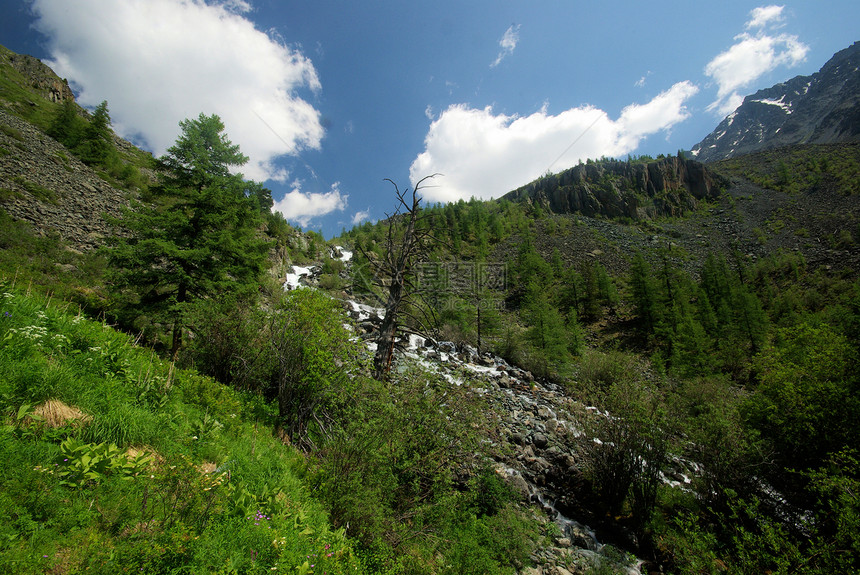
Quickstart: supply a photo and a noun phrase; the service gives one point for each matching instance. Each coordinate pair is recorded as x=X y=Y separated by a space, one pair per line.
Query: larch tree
x=201 y=238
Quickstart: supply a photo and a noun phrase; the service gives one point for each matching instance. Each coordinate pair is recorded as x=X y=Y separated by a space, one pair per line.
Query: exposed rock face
x=43 y=183
x=42 y=78
x=634 y=190
x=823 y=108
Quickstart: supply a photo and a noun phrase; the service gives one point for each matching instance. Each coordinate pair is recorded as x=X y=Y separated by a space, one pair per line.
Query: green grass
x=15 y=89
x=77 y=500
x=38 y=191
x=45 y=264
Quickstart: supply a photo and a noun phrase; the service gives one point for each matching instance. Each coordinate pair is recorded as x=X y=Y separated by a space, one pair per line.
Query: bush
x=631 y=447
x=229 y=343
x=317 y=363
x=805 y=405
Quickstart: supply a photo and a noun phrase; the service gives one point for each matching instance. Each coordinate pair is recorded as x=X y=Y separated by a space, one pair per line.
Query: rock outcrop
x=40 y=77
x=618 y=189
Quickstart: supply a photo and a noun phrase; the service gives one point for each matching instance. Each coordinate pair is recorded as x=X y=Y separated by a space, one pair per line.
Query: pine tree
x=606 y=287
x=202 y=239
x=67 y=127
x=96 y=145
x=591 y=296
x=547 y=332
x=644 y=294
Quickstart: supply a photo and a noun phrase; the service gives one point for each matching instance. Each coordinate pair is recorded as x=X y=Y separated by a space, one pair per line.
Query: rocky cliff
x=614 y=189
x=39 y=77
x=823 y=108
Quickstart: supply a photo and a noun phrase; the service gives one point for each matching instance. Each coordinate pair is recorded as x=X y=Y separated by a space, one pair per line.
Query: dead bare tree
x=407 y=243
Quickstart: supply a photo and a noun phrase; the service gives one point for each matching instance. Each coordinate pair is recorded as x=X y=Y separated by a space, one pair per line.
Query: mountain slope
x=818 y=109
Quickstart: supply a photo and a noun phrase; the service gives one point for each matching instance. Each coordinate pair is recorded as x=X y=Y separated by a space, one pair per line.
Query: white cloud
x=360 y=217
x=508 y=43
x=486 y=155
x=764 y=15
x=157 y=62
x=302 y=207
x=640 y=83
x=752 y=56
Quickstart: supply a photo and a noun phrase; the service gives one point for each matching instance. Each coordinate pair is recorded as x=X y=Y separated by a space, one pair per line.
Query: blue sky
x=329 y=98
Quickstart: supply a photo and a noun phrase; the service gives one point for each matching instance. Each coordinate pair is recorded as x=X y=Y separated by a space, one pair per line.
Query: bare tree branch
x=404 y=250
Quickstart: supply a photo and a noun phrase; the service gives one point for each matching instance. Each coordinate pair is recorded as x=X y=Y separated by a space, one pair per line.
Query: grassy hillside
x=115 y=463
x=109 y=448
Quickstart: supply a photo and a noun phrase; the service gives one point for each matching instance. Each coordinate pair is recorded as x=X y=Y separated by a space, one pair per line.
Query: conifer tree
x=644 y=293
x=96 y=145
x=201 y=239
x=591 y=296
x=67 y=126
x=606 y=287
x=547 y=332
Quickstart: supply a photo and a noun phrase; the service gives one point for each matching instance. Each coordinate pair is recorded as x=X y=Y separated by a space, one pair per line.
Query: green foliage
x=806 y=400
x=316 y=363
x=127 y=490
x=229 y=341
x=96 y=142
x=387 y=474
x=709 y=411
x=201 y=241
x=633 y=440
x=83 y=463
x=67 y=126
x=644 y=293
x=598 y=370
x=547 y=334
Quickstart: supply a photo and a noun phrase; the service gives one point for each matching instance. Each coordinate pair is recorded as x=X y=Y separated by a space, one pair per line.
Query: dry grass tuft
x=155 y=459
x=55 y=413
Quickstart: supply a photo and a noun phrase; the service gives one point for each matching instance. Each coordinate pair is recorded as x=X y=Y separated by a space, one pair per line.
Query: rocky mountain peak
x=823 y=108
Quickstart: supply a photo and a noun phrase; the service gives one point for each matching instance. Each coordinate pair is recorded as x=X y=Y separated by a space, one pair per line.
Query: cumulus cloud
x=485 y=155
x=302 y=207
x=360 y=217
x=508 y=44
x=754 y=53
x=157 y=62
